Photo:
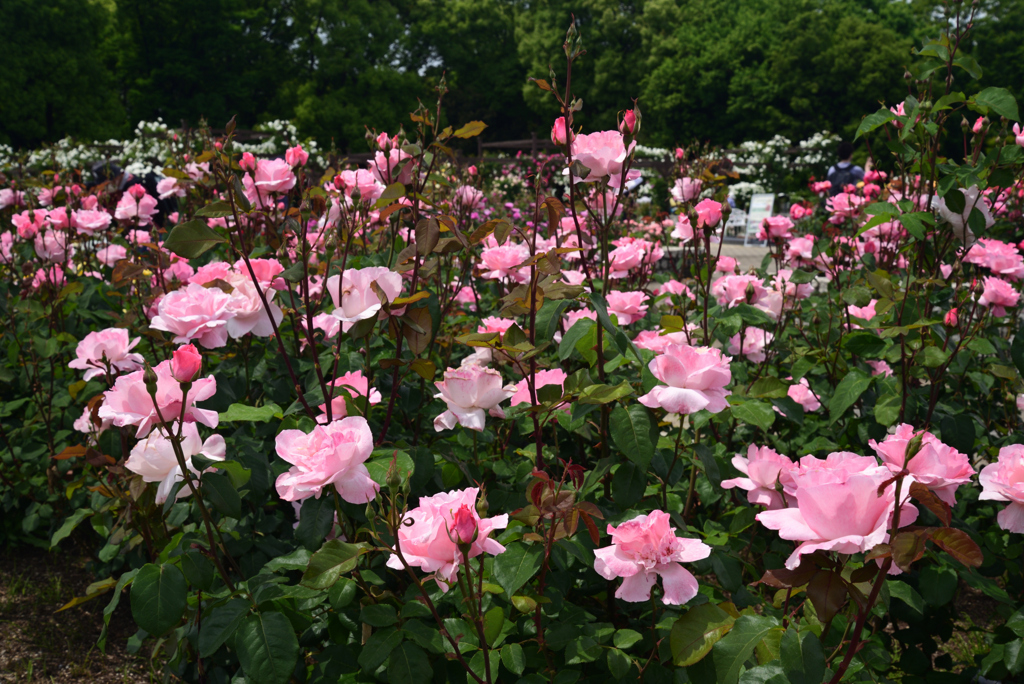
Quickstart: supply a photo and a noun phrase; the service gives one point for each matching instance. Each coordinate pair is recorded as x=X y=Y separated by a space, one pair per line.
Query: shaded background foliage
x=717 y=70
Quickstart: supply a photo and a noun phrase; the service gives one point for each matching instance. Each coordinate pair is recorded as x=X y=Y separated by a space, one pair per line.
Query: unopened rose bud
x=471 y=171
x=628 y=124
x=465 y=527
x=219 y=146
x=559 y=134
x=248 y=162
x=150 y=379
x=750 y=294
x=952 y=320
x=977 y=125
x=185 y=363
x=296 y=156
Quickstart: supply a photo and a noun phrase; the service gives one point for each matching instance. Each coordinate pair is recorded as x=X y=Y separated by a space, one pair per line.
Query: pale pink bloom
x=686 y=189
x=504 y=261
x=469 y=391
x=246 y=313
x=51 y=275
x=754 y=342
x=801 y=393
x=730 y=290
x=672 y=287
x=140 y=237
x=208 y=273
x=170 y=187
x=937 y=466
x=11 y=198
x=1004 y=481
x=683 y=230
x=195 y=313
x=102 y=347
x=839 y=511
x=52 y=245
x=695 y=377
x=296 y=156
x=791 y=290
x=559 y=135
x=129 y=402
x=763 y=467
x=726 y=264
x=153 y=458
x=247 y=162
x=999 y=257
x=467 y=297
x=197 y=171
x=657 y=342
x=775 y=227
x=394 y=167
x=644 y=548
x=90 y=222
x=709 y=213
x=142 y=210
x=6 y=247
x=330 y=325
x=430 y=541
x=354 y=299
x=880 y=368
x=999 y=295
x=845 y=205
x=60 y=219
x=866 y=312
x=352 y=385
x=574 y=277
x=29 y=222
x=1018 y=134
x=332 y=454
x=85 y=424
x=604 y=153
x=361 y=181
x=543 y=378
x=846 y=461
x=273 y=175
x=625 y=258
x=570 y=319
x=799 y=211
x=628 y=307
x=469 y=197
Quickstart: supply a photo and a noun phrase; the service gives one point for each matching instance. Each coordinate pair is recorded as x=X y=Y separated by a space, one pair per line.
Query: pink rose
x=604 y=153
x=29 y=222
x=52 y=245
x=726 y=264
x=142 y=209
x=354 y=299
x=802 y=394
x=465 y=527
x=469 y=391
x=683 y=230
x=51 y=275
x=91 y=222
x=170 y=187
x=153 y=458
x=106 y=347
x=247 y=162
x=880 y=368
x=625 y=258
x=951 y=319
x=195 y=313
x=503 y=262
x=246 y=313
x=730 y=290
x=938 y=467
x=866 y=312
x=1018 y=134
x=428 y=543
x=1004 y=481
x=60 y=219
x=129 y=402
x=642 y=549
x=775 y=228
x=361 y=180
x=543 y=378
x=208 y=273
x=709 y=213
x=754 y=340
x=296 y=156
x=695 y=377
x=657 y=341
x=999 y=295
x=469 y=197
x=628 y=307
x=185 y=363
x=353 y=384
x=844 y=205
x=273 y=175
x=332 y=454
x=839 y=511
x=686 y=189
x=763 y=467
x=559 y=136
x=1001 y=258
x=628 y=123
x=394 y=167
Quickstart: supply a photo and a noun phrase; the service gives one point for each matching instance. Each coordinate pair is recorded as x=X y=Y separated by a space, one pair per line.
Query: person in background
x=845 y=172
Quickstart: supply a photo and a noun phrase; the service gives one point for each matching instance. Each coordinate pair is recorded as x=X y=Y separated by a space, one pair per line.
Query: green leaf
x=379 y=615
x=707 y=460
x=408 y=663
x=802 y=657
x=513 y=657
x=516 y=566
x=1000 y=101
x=72 y=521
x=378 y=647
x=906 y=593
x=847 y=393
x=873 y=121
x=218 y=490
x=628 y=485
x=215 y=210
x=573 y=335
x=605 y=394
x=634 y=433
x=159 y=597
x=220 y=625
x=494 y=620
x=316 y=518
x=192 y=238
x=332 y=560
x=267 y=648
x=251 y=414
x=1017 y=350
x=738 y=645
x=548 y=317
x=864 y=343
x=198 y=570
x=768 y=387
x=619 y=663
x=696 y=632
x=754 y=412
x=624 y=638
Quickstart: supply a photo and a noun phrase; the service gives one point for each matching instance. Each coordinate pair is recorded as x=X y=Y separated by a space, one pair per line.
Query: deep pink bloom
x=709 y=213
x=332 y=454
x=469 y=391
x=775 y=227
x=628 y=307
x=296 y=156
x=763 y=467
x=559 y=135
x=29 y=222
x=604 y=153
x=394 y=167
x=186 y=363
x=247 y=162
x=153 y=458
x=428 y=542
x=642 y=549
x=836 y=510
x=1001 y=258
x=195 y=313
x=695 y=377
x=628 y=123
x=951 y=319
x=129 y=403
x=999 y=295
x=1004 y=481
x=937 y=466
x=1018 y=134
x=352 y=385
x=354 y=298
x=110 y=346
x=465 y=527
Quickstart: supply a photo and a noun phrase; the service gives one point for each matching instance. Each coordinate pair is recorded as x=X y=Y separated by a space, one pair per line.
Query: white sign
x=761 y=206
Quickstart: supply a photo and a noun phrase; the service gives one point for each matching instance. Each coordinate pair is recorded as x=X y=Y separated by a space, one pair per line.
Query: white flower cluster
x=817 y=150
x=283 y=134
x=645 y=152
x=742 y=192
